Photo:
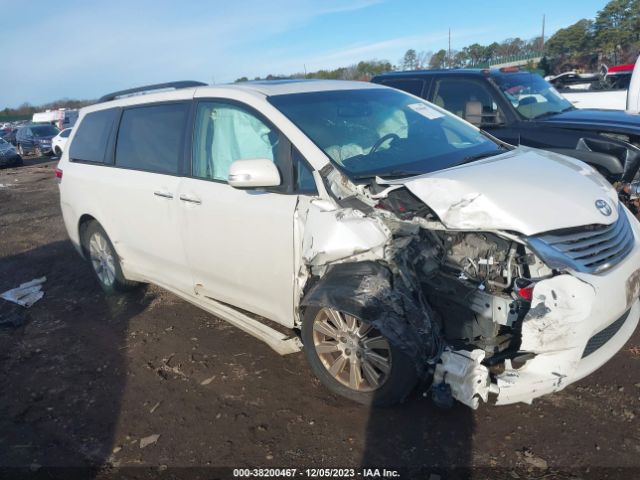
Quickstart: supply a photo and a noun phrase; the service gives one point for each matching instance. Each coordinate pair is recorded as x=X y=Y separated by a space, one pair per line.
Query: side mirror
x=257 y=173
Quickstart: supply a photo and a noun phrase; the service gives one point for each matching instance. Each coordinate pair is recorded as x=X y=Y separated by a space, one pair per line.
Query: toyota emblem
x=603 y=207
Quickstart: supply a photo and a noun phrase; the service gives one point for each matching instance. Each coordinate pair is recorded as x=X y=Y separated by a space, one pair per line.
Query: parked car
x=8 y=155
x=572 y=78
x=35 y=139
x=521 y=108
x=10 y=135
x=59 y=142
x=608 y=92
x=401 y=243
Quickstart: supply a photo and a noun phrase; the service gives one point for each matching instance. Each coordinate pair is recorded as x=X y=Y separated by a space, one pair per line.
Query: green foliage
x=361 y=71
x=26 y=110
x=438 y=59
x=574 y=39
x=614 y=32
x=410 y=60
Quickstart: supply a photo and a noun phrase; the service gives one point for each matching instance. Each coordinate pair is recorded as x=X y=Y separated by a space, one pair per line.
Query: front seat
x=473 y=113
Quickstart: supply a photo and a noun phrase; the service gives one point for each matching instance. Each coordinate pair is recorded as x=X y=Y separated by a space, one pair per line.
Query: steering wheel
x=381 y=140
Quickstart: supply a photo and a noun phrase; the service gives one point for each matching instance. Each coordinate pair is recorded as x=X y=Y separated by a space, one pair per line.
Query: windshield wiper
x=390 y=174
x=480 y=156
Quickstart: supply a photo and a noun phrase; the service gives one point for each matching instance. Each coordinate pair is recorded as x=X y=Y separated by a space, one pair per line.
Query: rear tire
x=354 y=360
x=104 y=260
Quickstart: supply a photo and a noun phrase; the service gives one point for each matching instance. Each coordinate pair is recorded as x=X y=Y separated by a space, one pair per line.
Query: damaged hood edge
x=526 y=190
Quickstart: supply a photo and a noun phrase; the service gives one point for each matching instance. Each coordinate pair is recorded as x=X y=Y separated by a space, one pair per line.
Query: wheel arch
x=369 y=291
x=83 y=223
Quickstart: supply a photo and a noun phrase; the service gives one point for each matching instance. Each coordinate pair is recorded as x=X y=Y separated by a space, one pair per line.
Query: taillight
x=59 y=174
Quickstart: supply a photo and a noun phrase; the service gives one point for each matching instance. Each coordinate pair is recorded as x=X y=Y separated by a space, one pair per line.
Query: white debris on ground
x=150 y=440
x=26 y=294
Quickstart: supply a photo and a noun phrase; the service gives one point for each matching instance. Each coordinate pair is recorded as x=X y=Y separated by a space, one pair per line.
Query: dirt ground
x=148 y=385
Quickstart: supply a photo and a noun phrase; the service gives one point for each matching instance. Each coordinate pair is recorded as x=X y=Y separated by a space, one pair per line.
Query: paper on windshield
x=425 y=110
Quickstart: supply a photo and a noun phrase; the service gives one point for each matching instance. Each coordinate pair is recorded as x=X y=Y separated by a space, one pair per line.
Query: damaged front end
x=480 y=311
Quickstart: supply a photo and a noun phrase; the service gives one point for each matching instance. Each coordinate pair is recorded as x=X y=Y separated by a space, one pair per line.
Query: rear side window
x=65 y=133
x=410 y=85
x=92 y=137
x=151 y=138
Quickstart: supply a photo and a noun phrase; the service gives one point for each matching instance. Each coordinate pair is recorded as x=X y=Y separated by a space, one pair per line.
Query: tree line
x=612 y=37
x=26 y=110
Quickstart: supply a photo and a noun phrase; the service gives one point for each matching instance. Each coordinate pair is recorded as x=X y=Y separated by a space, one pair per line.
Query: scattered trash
x=207 y=381
x=26 y=294
x=150 y=440
x=533 y=460
x=154 y=408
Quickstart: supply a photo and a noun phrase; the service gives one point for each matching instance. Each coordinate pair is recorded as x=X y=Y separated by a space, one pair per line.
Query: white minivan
x=393 y=242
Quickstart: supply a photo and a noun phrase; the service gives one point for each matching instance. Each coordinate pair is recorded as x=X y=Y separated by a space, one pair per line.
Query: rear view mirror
x=255 y=173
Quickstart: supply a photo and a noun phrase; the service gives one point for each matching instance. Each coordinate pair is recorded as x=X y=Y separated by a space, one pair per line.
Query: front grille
x=589 y=249
x=604 y=335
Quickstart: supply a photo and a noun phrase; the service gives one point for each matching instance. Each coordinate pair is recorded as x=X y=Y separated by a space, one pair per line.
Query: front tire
x=58 y=152
x=104 y=260
x=354 y=360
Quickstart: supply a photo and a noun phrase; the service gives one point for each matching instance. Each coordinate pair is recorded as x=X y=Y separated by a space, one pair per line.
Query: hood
x=526 y=190
x=593 y=119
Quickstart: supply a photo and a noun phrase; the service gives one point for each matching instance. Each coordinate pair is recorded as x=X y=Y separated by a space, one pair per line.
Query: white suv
x=401 y=243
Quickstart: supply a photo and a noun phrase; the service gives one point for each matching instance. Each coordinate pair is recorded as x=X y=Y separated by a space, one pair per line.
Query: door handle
x=162 y=194
x=190 y=199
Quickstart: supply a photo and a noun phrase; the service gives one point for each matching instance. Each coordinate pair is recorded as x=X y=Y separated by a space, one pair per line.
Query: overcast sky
x=82 y=49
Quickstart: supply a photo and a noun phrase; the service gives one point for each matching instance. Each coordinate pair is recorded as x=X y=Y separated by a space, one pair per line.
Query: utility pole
x=449 y=52
x=542 y=42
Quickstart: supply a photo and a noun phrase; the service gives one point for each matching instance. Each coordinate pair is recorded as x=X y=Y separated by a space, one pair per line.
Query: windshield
x=383 y=132
x=531 y=94
x=44 y=131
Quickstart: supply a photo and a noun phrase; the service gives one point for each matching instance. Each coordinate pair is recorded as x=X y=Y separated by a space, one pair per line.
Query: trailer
x=61 y=117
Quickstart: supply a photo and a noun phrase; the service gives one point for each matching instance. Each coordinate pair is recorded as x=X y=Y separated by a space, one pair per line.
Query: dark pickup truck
x=521 y=108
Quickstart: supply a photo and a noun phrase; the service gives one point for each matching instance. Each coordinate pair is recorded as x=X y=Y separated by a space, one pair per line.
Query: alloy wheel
x=102 y=259
x=353 y=352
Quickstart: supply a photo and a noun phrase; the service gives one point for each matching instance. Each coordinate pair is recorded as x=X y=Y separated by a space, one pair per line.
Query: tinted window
x=411 y=85
x=90 y=141
x=150 y=138
x=468 y=99
x=225 y=133
x=44 y=131
x=531 y=95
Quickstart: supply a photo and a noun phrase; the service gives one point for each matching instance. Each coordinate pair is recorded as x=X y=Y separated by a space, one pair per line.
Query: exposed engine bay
x=456 y=300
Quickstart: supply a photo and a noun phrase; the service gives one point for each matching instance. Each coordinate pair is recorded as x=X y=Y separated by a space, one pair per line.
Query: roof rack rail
x=149 y=88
